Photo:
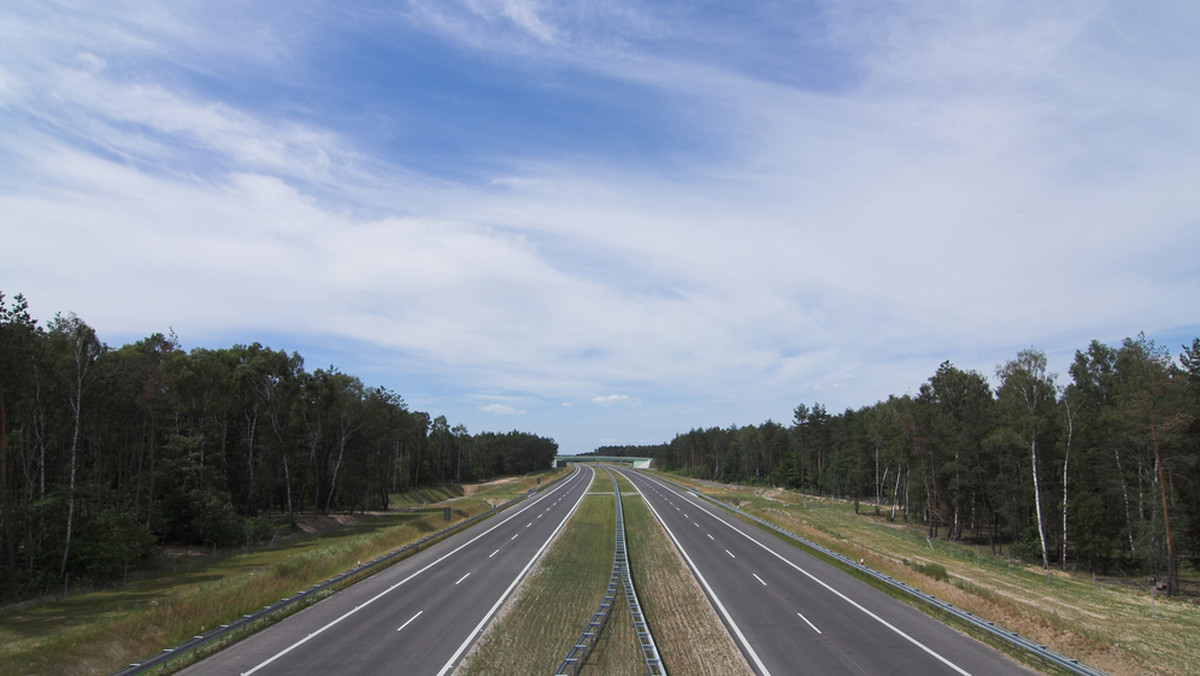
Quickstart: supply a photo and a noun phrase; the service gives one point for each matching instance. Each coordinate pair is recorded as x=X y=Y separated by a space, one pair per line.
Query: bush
x=1029 y=547
x=935 y=570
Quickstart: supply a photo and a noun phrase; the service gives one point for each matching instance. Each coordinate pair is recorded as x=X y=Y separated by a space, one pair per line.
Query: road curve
x=418 y=616
x=791 y=613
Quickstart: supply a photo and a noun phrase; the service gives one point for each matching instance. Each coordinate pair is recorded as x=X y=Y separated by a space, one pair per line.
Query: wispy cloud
x=726 y=214
x=502 y=409
x=617 y=399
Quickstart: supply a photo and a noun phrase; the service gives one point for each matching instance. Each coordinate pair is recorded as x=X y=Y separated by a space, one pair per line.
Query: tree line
x=107 y=454
x=1099 y=472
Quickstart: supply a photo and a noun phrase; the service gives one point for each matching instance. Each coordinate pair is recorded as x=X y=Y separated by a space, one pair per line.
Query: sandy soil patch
x=323 y=522
x=472 y=489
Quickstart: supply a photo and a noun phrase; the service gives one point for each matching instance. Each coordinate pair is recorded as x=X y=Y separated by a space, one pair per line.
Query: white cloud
x=615 y=399
x=982 y=178
x=502 y=409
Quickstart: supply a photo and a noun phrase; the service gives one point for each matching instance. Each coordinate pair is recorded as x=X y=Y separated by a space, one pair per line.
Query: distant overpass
x=638 y=463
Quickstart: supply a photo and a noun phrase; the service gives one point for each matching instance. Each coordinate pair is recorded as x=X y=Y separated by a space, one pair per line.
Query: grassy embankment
x=547 y=613
x=1110 y=624
x=102 y=631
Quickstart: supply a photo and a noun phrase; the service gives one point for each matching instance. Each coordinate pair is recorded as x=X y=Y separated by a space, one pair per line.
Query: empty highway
x=793 y=614
x=418 y=616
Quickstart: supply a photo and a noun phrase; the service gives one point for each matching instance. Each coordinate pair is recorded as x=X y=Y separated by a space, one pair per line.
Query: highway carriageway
x=791 y=613
x=418 y=616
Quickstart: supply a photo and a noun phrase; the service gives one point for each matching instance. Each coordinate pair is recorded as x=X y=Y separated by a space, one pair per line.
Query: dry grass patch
x=99 y=632
x=550 y=608
x=616 y=652
x=690 y=637
x=1110 y=627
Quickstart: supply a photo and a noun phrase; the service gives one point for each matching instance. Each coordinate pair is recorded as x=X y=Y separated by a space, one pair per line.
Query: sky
x=611 y=221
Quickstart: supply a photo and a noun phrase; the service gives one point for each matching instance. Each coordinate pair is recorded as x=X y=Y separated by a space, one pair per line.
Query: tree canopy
x=107 y=454
x=1101 y=473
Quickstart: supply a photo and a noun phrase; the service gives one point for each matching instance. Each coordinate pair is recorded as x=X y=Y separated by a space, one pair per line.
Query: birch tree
x=1026 y=398
x=1070 y=408
x=76 y=348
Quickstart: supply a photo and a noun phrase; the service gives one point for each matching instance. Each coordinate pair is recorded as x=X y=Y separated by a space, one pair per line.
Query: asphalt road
x=418 y=616
x=790 y=613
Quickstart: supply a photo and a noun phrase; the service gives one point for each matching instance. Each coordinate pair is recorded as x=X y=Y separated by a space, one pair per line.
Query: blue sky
x=608 y=222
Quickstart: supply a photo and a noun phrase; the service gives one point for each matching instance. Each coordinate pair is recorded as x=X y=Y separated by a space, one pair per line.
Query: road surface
x=420 y=615
x=790 y=613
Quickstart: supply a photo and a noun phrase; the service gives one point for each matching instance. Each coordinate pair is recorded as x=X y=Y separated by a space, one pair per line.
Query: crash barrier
x=1034 y=648
x=200 y=640
x=620 y=576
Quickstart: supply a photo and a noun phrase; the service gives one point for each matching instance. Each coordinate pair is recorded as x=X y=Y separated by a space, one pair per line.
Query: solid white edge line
x=520 y=576
x=700 y=576
x=840 y=595
x=392 y=588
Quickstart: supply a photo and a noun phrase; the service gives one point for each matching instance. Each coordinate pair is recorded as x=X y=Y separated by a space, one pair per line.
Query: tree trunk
x=1172 y=571
x=879 y=483
x=251 y=423
x=333 y=478
x=150 y=497
x=9 y=556
x=1066 y=464
x=1125 y=493
x=62 y=571
x=287 y=483
x=1037 y=503
x=896 y=493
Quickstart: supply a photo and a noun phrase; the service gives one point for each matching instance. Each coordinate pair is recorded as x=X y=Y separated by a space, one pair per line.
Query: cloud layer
x=496 y=208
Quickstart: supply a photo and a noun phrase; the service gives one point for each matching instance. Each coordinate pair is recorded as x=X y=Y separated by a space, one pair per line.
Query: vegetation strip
x=541 y=620
x=1011 y=637
x=108 y=455
x=645 y=638
x=285 y=604
x=689 y=633
x=620 y=575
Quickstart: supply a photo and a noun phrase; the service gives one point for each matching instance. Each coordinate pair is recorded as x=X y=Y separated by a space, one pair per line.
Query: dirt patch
x=318 y=523
x=775 y=494
x=175 y=552
x=472 y=489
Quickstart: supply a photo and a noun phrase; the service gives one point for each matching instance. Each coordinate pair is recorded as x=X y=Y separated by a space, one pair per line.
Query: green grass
x=423 y=497
x=538 y=626
x=550 y=609
x=616 y=652
x=686 y=629
x=101 y=631
x=1109 y=625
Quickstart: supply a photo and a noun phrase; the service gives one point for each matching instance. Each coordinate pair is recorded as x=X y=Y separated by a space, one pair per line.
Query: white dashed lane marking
x=410 y=620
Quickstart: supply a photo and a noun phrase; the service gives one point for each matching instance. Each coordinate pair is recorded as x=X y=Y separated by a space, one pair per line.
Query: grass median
x=540 y=623
x=690 y=637
x=538 y=626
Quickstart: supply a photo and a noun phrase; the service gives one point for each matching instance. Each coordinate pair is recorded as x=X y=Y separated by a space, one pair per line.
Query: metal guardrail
x=200 y=640
x=620 y=576
x=1013 y=638
x=646 y=643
